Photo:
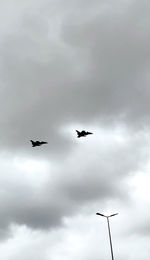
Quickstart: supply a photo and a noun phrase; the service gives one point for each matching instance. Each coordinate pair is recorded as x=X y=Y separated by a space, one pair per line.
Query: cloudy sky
x=67 y=65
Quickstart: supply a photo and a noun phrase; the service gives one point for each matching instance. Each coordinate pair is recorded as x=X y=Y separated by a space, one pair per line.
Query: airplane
x=83 y=133
x=37 y=143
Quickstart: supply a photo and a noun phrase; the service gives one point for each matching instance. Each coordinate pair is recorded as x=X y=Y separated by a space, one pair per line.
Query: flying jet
x=83 y=133
x=37 y=143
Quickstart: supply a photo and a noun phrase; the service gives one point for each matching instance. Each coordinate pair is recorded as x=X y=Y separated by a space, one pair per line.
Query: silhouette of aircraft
x=83 y=133
x=37 y=143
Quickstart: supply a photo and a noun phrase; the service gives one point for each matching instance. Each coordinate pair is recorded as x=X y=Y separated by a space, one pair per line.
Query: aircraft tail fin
x=78 y=134
x=33 y=143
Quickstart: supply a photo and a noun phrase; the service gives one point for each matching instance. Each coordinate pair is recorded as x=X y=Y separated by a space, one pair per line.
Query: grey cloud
x=140 y=214
x=70 y=186
x=119 y=58
x=143 y=229
x=62 y=64
x=92 y=71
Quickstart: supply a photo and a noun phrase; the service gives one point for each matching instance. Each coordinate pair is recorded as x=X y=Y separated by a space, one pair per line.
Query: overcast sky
x=67 y=65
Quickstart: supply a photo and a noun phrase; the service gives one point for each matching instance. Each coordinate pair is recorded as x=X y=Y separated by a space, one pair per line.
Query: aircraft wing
x=77 y=132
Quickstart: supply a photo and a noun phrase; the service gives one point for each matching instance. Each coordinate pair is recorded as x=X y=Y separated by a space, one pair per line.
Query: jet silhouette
x=37 y=143
x=83 y=133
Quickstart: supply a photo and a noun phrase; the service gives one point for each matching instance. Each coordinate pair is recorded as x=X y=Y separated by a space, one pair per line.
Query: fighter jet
x=83 y=133
x=37 y=143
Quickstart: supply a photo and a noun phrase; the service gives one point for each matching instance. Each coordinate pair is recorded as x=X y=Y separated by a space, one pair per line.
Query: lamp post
x=110 y=240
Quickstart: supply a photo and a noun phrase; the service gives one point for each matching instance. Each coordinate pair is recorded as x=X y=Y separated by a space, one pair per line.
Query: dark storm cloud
x=117 y=46
x=91 y=67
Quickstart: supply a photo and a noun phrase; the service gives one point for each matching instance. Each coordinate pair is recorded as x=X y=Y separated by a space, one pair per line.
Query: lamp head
x=113 y=214
x=100 y=214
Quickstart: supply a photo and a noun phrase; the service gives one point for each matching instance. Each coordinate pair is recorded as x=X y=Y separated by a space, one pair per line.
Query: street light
x=107 y=217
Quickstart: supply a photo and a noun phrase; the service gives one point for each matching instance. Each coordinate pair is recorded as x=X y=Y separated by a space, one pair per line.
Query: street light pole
x=110 y=240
